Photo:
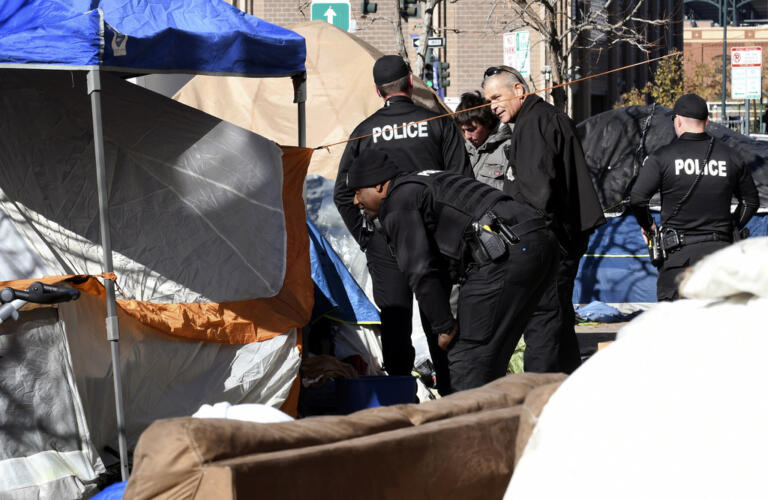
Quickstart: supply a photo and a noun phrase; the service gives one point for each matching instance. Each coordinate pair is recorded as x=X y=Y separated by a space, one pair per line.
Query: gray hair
x=509 y=76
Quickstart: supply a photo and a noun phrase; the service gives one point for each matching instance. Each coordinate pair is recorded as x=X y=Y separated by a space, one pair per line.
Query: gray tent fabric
x=17 y=259
x=611 y=143
x=196 y=211
x=40 y=410
x=175 y=179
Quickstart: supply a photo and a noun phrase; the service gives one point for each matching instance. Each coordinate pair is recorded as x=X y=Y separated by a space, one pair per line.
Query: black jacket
x=432 y=145
x=673 y=169
x=547 y=162
x=424 y=217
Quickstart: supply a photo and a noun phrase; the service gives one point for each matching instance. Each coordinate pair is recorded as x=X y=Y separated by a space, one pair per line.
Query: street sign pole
x=432 y=42
x=724 y=14
x=747 y=118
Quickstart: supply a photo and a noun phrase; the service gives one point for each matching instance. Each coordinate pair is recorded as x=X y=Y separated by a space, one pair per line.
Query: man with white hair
x=547 y=169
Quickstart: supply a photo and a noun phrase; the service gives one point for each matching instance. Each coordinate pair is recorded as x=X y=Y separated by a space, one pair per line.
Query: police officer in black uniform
x=437 y=145
x=696 y=175
x=436 y=222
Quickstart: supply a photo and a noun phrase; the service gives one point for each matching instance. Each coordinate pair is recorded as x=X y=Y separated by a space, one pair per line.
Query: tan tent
x=340 y=94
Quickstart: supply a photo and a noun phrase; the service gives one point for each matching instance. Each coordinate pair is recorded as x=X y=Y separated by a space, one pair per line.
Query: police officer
x=413 y=144
x=696 y=175
x=437 y=221
x=547 y=169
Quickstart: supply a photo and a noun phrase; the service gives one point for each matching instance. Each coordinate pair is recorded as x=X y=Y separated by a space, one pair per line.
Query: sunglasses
x=495 y=70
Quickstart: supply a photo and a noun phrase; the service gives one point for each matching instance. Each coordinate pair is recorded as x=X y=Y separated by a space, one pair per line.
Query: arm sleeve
x=455 y=157
x=581 y=190
x=749 y=200
x=418 y=261
x=535 y=166
x=647 y=183
x=343 y=196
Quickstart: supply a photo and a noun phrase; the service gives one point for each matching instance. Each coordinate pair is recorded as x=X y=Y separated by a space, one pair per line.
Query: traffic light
x=443 y=75
x=429 y=75
x=368 y=7
x=408 y=8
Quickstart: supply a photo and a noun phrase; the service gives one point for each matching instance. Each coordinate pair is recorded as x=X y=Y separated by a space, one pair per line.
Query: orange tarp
x=244 y=321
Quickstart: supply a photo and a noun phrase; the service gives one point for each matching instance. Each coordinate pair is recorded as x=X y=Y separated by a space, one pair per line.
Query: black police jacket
x=432 y=145
x=424 y=217
x=547 y=162
x=673 y=169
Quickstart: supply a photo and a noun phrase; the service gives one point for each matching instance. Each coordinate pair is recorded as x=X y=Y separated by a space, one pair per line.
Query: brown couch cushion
x=501 y=393
x=171 y=456
x=468 y=457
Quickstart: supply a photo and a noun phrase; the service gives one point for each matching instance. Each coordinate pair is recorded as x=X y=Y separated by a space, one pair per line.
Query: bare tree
x=596 y=25
x=426 y=32
x=401 y=49
x=397 y=26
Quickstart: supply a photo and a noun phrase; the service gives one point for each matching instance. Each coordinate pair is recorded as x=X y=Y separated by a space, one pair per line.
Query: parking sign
x=746 y=63
x=517 y=52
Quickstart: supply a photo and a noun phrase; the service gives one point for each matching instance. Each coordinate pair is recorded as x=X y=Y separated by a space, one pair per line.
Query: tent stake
x=113 y=332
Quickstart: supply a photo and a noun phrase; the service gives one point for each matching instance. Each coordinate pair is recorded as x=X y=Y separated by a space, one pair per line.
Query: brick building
x=474 y=32
x=473 y=41
x=704 y=42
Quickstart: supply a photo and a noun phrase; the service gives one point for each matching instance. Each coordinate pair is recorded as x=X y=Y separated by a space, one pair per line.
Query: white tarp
x=675 y=408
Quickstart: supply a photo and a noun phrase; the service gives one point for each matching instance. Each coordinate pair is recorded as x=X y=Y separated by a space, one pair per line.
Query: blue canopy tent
x=139 y=37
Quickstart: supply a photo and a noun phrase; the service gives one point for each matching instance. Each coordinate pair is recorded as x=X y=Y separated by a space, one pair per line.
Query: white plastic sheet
x=675 y=408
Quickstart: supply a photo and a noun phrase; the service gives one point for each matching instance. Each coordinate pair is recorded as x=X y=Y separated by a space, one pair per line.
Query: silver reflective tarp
x=177 y=178
x=196 y=214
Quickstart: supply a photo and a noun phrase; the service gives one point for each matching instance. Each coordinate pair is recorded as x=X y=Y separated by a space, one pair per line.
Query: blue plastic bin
x=355 y=394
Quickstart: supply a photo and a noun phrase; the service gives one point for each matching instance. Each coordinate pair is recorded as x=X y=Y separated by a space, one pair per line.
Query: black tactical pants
x=550 y=338
x=495 y=303
x=677 y=261
x=394 y=298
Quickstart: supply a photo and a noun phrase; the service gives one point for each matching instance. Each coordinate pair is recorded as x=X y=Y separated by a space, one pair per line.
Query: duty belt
x=490 y=237
x=672 y=239
x=687 y=239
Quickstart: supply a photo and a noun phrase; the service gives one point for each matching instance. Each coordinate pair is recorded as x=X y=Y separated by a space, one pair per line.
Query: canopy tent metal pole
x=300 y=97
x=113 y=332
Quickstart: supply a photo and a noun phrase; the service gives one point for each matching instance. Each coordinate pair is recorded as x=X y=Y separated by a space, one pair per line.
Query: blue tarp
x=616 y=267
x=600 y=312
x=180 y=36
x=112 y=492
x=337 y=294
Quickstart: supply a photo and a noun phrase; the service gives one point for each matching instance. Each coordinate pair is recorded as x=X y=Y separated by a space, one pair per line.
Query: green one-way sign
x=335 y=13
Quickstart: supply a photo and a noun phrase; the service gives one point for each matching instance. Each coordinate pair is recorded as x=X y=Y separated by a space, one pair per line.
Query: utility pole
x=724 y=16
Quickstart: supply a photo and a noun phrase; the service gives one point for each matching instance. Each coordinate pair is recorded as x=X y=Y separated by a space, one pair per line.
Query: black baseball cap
x=388 y=69
x=371 y=168
x=691 y=106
